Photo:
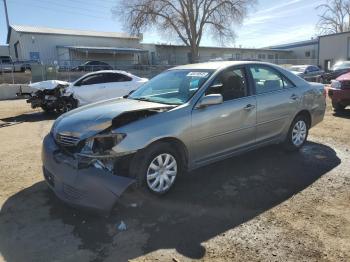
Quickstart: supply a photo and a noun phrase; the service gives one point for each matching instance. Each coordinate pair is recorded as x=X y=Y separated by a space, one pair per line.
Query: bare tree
x=187 y=19
x=334 y=17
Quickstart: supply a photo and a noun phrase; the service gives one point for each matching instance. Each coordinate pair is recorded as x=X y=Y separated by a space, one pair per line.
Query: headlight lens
x=103 y=142
x=336 y=84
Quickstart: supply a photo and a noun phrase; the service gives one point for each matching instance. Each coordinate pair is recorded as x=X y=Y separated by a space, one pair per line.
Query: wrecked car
x=182 y=119
x=59 y=96
x=50 y=96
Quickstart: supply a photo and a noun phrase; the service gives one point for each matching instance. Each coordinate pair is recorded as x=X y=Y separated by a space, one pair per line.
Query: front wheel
x=338 y=107
x=297 y=134
x=157 y=168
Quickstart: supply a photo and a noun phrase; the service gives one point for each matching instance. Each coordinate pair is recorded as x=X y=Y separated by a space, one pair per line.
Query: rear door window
x=115 y=77
x=92 y=80
x=267 y=79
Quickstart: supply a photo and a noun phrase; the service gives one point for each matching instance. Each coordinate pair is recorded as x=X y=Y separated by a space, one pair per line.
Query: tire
x=338 y=107
x=297 y=134
x=47 y=109
x=146 y=163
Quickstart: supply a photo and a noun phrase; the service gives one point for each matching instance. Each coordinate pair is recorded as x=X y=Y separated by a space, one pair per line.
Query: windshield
x=341 y=65
x=173 y=87
x=298 y=68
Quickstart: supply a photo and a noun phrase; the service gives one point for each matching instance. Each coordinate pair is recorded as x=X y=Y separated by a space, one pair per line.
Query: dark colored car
x=337 y=70
x=93 y=66
x=340 y=92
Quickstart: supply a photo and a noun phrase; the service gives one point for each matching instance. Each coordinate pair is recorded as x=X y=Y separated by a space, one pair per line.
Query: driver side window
x=231 y=84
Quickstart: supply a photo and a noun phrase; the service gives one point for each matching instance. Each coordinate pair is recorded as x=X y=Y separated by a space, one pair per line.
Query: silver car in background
x=182 y=119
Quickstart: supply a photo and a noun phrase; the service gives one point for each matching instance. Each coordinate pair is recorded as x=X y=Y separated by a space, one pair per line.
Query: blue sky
x=269 y=22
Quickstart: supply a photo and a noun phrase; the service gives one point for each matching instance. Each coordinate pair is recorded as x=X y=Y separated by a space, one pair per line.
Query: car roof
x=218 y=65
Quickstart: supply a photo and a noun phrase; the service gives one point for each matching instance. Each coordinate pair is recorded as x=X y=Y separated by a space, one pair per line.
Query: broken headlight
x=102 y=144
x=106 y=142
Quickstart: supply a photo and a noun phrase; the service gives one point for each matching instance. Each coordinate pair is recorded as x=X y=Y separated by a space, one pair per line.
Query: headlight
x=102 y=143
x=336 y=84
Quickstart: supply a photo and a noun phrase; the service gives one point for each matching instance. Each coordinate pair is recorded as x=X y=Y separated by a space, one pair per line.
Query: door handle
x=294 y=97
x=249 y=107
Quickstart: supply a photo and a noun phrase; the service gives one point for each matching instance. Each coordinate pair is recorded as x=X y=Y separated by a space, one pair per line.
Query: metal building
x=72 y=47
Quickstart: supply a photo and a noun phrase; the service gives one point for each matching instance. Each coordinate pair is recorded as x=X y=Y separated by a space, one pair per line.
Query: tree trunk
x=194 y=54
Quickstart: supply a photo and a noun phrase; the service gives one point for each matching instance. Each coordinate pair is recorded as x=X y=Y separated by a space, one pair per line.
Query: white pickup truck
x=7 y=65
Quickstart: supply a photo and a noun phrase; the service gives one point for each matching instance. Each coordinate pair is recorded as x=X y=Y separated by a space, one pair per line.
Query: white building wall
x=4 y=50
x=46 y=44
x=334 y=48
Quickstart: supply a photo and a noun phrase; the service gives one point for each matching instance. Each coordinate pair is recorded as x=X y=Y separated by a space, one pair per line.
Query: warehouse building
x=66 y=46
x=304 y=52
x=333 y=48
x=179 y=54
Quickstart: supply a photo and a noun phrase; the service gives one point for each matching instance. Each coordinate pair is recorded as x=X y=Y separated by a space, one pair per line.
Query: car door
x=116 y=85
x=90 y=88
x=218 y=130
x=277 y=101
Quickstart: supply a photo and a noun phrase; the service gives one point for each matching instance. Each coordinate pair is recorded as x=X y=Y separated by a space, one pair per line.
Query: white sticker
x=198 y=74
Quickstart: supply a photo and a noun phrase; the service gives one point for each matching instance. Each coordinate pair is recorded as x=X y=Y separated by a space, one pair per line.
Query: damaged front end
x=50 y=97
x=84 y=168
x=80 y=179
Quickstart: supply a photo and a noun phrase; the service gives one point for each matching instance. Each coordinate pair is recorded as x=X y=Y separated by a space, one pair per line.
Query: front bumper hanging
x=89 y=187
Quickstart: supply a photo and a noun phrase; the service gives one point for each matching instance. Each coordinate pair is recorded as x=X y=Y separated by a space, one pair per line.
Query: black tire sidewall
x=289 y=145
x=142 y=161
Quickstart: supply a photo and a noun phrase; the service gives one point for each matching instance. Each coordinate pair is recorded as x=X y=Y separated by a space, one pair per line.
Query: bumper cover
x=90 y=188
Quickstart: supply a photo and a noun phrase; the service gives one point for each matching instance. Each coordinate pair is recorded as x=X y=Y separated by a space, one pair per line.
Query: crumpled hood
x=48 y=85
x=91 y=119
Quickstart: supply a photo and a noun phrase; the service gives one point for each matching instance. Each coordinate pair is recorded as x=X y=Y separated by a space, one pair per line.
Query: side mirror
x=209 y=100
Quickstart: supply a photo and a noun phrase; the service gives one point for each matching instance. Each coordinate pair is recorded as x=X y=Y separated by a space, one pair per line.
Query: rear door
x=116 y=85
x=218 y=130
x=277 y=101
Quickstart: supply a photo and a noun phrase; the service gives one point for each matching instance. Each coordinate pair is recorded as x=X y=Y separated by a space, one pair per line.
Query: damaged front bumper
x=89 y=187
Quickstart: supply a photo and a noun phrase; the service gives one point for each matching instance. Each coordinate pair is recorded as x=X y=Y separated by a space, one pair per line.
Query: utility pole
x=7 y=16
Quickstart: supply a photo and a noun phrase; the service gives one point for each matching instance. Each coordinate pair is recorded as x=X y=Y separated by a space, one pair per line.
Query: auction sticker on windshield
x=198 y=74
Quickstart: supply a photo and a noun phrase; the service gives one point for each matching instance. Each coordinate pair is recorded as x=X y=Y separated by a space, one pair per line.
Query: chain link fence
x=71 y=70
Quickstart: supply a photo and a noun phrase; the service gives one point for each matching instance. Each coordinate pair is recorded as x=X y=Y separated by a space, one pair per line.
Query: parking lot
x=266 y=205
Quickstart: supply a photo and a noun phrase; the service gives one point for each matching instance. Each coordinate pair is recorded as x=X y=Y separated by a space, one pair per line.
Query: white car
x=103 y=85
x=60 y=96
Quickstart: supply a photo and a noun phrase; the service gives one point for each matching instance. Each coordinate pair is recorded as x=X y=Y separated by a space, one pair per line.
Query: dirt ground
x=266 y=205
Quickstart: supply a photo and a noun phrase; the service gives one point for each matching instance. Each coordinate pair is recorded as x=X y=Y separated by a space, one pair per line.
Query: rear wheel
x=156 y=168
x=297 y=134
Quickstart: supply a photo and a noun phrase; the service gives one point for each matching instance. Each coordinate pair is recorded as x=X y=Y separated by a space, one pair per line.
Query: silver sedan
x=182 y=119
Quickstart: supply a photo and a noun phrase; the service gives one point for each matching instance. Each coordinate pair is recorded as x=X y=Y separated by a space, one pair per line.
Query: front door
x=218 y=130
x=90 y=89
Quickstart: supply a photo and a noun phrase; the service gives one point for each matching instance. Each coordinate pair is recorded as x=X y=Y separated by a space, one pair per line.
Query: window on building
x=307 y=54
x=270 y=57
x=261 y=56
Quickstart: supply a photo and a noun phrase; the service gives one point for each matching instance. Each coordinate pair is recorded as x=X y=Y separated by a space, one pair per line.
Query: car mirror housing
x=209 y=100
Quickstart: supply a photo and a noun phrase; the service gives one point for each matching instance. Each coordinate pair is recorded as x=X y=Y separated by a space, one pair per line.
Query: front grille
x=345 y=85
x=66 y=140
x=72 y=193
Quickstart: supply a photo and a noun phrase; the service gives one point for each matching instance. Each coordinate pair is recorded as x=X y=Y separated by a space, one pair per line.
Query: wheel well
x=179 y=146
x=307 y=115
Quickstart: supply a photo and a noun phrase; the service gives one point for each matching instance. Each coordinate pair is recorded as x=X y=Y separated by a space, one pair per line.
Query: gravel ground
x=265 y=205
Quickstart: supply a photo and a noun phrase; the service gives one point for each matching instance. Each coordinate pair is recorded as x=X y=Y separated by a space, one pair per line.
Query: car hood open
x=89 y=120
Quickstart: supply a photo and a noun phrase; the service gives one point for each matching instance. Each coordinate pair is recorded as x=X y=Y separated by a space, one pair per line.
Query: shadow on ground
x=343 y=114
x=26 y=117
x=35 y=226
